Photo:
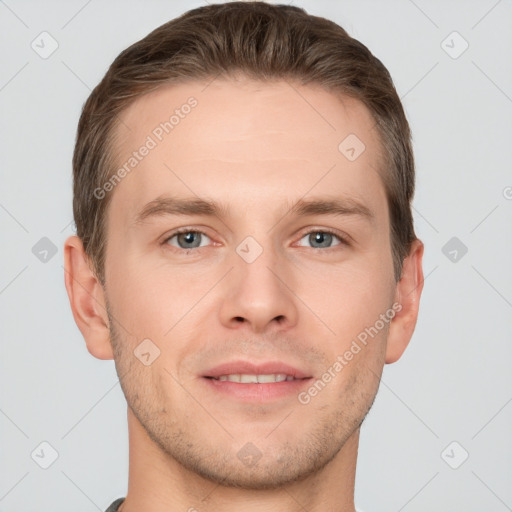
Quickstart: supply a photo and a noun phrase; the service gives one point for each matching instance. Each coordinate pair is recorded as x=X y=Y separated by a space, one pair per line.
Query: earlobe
x=87 y=300
x=408 y=293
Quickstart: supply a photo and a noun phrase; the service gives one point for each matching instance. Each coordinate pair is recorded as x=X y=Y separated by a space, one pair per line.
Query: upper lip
x=249 y=368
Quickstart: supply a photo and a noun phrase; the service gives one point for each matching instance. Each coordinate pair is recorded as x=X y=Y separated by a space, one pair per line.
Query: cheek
x=346 y=299
x=157 y=302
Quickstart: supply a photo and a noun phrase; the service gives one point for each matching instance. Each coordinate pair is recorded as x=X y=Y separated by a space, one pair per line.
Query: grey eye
x=187 y=239
x=324 y=239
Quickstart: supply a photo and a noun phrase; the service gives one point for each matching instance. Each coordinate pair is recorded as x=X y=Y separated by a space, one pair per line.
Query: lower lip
x=255 y=392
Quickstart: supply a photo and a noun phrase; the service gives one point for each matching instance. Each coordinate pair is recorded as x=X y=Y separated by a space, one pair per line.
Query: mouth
x=246 y=372
x=245 y=381
x=247 y=378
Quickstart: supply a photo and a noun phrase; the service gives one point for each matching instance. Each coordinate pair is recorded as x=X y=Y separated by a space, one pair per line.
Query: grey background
x=454 y=381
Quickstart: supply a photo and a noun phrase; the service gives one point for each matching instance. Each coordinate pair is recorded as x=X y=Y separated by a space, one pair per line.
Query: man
x=245 y=252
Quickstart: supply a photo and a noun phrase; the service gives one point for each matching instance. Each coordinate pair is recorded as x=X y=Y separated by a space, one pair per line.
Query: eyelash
x=343 y=241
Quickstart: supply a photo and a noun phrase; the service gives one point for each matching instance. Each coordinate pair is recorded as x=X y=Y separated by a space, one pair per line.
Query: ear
x=408 y=293
x=86 y=296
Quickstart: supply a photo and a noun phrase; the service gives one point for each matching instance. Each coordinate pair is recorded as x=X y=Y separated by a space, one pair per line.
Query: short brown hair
x=263 y=42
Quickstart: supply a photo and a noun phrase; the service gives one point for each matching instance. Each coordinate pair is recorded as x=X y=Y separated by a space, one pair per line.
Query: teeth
x=280 y=377
x=253 y=379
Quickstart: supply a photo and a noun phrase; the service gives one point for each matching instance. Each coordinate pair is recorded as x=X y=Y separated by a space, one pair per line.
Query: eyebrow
x=302 y=208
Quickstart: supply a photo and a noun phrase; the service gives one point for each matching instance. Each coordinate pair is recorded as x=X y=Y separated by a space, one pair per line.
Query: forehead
x=247 y=139
x=248 y=113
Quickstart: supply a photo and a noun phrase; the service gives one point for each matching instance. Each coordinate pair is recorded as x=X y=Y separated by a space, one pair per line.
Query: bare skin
x=258 y=148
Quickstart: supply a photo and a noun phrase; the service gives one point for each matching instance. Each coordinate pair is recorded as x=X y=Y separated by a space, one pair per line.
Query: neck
x=157 y=483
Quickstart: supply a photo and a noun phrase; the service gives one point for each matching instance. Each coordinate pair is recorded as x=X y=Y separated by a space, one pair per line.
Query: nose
x=258 y=294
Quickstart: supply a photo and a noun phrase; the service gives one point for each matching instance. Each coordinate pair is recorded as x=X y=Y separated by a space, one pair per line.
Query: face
x=287 y=263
